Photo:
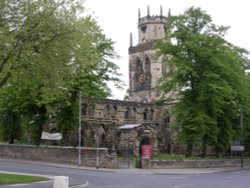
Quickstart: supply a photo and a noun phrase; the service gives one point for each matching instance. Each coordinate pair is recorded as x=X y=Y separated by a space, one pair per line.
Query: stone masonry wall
x=66 y=155
x=170 y=164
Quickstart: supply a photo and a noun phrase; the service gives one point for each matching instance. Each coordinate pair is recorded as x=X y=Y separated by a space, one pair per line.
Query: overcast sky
x=118 y=18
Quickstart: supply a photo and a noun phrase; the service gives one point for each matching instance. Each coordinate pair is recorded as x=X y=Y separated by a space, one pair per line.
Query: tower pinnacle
x=161 y=11
x=169 y=12
x=139 y=14
x=131 y=40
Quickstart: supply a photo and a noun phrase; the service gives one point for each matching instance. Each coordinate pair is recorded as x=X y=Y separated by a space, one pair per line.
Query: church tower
x=145 y=68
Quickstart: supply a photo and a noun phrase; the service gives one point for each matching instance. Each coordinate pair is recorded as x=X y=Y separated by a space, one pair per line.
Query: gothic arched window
x=113 y=111
x=139 y=76
x=151 y=114
x=166 y=119
x=145 y=114
x=127 y=113
x=107 y=111
x=148 y=73
x=134 y=113
x=84 y=109
x=139 y=68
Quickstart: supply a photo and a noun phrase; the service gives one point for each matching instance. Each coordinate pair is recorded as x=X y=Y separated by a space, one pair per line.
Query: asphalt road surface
x=98 y=179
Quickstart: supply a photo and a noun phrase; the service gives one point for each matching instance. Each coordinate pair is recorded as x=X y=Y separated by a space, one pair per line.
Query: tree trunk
x=11 y=140
x=40 y=122
x=218 y=152
x=189 y=150
x=39 y=134
x=204 y=146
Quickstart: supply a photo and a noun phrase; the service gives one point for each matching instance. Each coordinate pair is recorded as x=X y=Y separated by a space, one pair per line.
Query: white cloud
x=119 y=18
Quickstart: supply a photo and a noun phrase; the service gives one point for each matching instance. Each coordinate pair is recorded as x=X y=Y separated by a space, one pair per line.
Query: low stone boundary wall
x=66 y=155
x=170 y=164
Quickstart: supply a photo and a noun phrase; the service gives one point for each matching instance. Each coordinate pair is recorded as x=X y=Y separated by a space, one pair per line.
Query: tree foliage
x=245 y=126
x=49 y=51
x=207 y=72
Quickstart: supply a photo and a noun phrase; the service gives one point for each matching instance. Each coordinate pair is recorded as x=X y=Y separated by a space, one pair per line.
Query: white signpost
x=237 y=148
x=240 y=149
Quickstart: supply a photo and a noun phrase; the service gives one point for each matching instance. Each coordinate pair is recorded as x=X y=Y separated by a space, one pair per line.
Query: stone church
x=126 y=125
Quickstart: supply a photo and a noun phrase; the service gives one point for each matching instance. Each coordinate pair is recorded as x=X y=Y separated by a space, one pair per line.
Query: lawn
x=14 y=179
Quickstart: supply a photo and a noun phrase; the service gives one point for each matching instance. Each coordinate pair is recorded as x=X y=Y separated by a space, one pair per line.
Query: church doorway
x=145 y=150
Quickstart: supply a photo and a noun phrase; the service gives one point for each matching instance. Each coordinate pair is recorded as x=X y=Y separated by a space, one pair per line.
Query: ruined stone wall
x=108 y=115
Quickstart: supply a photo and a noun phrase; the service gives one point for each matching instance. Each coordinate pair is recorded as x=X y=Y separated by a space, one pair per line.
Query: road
x=129 y=179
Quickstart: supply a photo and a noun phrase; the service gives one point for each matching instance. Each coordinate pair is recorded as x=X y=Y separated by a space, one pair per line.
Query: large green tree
x=244 y=135
x=206 y=72
x=49 y=51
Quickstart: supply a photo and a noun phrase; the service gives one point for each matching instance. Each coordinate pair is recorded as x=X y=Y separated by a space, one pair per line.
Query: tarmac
x=187 y=171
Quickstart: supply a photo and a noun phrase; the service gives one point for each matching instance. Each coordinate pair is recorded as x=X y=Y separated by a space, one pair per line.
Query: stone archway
x=145 y=140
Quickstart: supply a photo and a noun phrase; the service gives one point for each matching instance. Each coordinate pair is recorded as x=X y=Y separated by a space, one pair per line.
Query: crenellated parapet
x=151 y=27
x=156 y=19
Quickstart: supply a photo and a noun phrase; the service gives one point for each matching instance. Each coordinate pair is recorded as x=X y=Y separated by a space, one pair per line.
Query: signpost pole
x=241 y=160
x=128 y=152
x=80 y=129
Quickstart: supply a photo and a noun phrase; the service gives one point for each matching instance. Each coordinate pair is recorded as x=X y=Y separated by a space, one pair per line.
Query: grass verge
x=14 y=179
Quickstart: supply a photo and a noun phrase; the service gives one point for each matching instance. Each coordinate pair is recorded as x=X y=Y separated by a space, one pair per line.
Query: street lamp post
x=239 y=147
x=80 y=129
x=128 y=152
x=97 y=139
x=241 y=134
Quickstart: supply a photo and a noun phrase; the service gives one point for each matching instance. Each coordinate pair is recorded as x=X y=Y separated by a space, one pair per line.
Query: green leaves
x=49 y=52
x=207 y=72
